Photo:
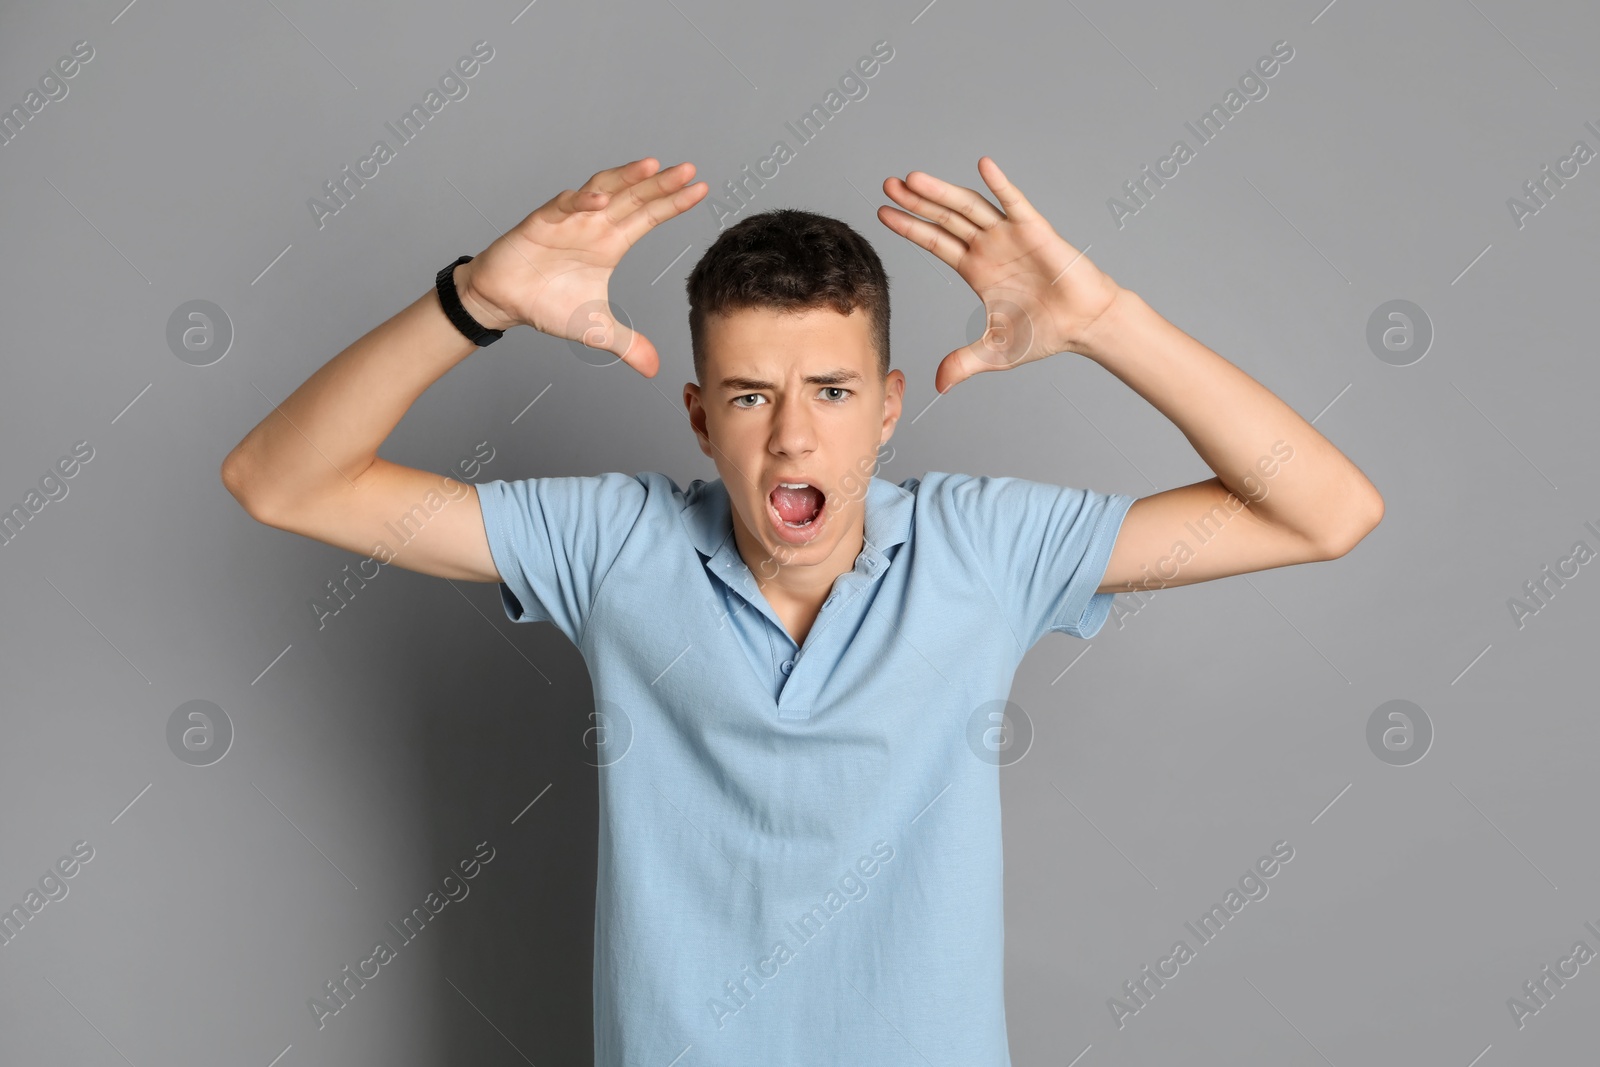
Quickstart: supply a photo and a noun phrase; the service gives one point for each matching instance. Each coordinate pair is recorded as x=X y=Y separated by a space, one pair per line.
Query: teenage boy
x=798 y=666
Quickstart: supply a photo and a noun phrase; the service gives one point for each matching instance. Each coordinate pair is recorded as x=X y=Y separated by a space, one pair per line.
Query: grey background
x=1171 y=750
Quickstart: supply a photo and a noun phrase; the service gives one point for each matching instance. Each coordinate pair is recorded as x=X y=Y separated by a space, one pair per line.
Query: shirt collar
x=709 y=517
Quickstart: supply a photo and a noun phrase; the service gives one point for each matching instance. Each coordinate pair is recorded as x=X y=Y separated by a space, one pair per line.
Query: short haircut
x=791 y=260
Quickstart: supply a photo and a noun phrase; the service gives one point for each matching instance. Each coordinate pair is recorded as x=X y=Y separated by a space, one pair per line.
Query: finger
x=597 y=192
x=958 y=224
x=935 y=239
x=662 y=208
x=1011 y=199
x=572 y=201
x=969 y=202
x=618 y=178
x=633 y=197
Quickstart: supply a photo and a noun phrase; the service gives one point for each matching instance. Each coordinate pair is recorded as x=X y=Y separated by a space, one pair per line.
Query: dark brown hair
x=793 y=260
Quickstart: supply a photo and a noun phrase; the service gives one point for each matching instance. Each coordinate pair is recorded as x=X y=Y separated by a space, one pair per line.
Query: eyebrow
x=833 y=377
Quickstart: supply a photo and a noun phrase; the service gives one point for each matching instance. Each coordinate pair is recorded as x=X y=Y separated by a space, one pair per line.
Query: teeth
x=795 y=485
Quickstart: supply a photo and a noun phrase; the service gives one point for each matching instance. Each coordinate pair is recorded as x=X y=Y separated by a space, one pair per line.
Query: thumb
x=958 y=366
x=636 y=350
x=595 y=326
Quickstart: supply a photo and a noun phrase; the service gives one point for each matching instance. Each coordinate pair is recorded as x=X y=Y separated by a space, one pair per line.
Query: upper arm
x=417 y=520
x=555 y=539
x=1196 y=533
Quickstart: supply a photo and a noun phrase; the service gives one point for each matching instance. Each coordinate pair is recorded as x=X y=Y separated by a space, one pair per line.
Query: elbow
x=236 y=481
x=232 y=475
x=1372 y=514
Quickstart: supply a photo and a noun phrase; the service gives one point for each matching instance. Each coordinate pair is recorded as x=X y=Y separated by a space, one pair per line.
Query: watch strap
x=450 y=300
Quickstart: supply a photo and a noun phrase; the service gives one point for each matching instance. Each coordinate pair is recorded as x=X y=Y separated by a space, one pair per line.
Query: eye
x=746 y=396
x=837 y=389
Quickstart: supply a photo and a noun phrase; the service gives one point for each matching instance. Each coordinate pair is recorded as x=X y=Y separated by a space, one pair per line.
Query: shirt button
x=787 y=666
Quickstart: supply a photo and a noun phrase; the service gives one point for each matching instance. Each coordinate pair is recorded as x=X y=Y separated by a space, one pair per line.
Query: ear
x=894 y=391
x=697 y=416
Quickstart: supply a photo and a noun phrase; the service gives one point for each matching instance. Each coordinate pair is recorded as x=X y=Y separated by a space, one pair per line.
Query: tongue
x=797 y=505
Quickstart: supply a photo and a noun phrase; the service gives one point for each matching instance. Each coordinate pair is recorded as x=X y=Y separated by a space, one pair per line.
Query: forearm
x=328 y=431
x=1234 y=422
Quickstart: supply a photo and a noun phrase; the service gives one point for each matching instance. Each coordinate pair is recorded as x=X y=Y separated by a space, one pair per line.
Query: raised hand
x=551 y=270
x=1039 y=293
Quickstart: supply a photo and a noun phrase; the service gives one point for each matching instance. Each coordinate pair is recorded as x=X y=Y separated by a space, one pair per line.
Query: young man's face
x=794 y=397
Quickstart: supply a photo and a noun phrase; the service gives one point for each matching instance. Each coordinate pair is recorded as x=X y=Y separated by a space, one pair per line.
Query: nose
x=793 y=433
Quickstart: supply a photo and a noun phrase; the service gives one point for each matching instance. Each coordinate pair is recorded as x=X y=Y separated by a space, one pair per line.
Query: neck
x=792 y=574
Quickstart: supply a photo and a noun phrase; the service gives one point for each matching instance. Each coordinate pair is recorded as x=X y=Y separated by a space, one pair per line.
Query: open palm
x=1039 y=292
x=553 y=269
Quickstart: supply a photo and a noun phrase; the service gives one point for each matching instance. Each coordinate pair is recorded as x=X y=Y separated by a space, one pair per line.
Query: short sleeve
x=1045 y=548
x=554 y=539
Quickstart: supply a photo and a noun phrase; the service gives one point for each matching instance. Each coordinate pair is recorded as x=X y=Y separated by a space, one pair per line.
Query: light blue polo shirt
x=800 y=846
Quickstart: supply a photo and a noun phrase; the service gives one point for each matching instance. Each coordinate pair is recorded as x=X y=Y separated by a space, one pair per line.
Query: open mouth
x=797 y=505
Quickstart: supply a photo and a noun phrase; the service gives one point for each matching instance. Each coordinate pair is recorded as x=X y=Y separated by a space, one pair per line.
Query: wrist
x=487 y=314
x=1102 y=336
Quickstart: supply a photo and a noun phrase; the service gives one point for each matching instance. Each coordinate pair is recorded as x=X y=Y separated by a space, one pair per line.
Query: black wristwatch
x=450 y=300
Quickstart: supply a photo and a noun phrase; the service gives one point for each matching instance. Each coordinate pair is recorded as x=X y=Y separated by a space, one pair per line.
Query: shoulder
x=995 y=505
x=943 y=504
x=937 y=485
x=956 y=492
x=609 y=488
x=607 y=502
